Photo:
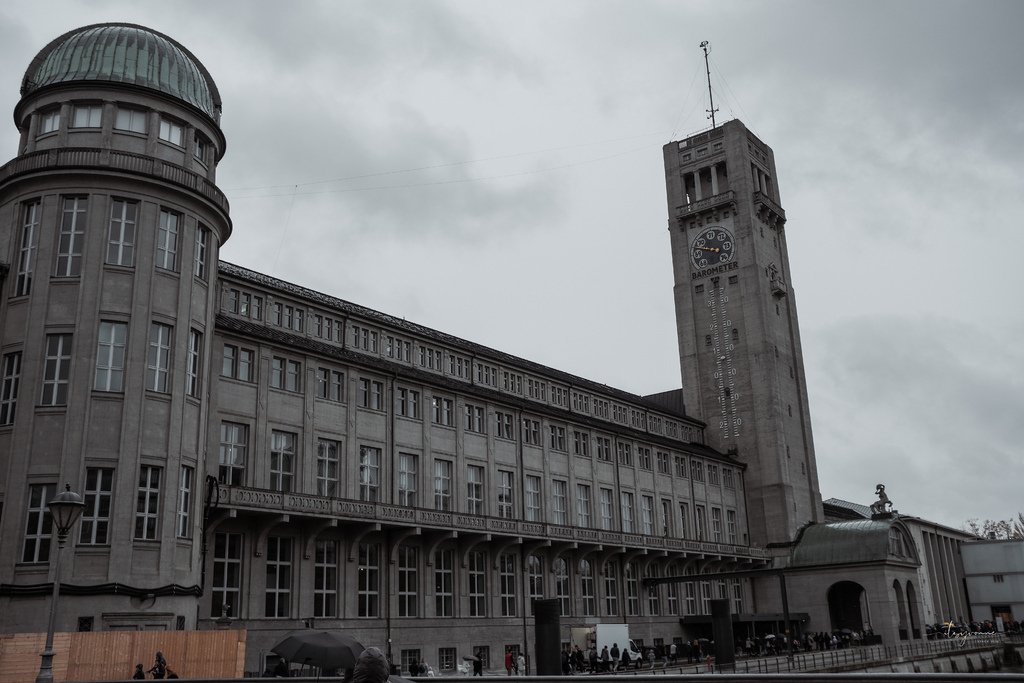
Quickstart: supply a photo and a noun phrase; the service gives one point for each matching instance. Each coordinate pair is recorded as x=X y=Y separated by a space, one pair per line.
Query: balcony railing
x=714 y=201
x=90 y=158
x=301 y=504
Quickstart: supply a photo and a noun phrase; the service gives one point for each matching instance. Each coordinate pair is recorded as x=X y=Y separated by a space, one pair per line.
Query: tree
x=996 y=528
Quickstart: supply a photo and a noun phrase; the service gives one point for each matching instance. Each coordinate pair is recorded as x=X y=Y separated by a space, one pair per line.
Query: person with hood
x=139 y=673
x=371 y=667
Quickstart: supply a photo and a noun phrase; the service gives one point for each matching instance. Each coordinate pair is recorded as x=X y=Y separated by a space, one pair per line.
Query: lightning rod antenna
x=711 y=112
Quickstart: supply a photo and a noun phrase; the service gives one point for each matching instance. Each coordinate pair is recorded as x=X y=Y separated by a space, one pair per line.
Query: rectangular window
x=531 y=432
x=330 y=385
x=626 y=502
x=134 y=121
x=327 y=467
x=716 y=524
x=559 y=505
x=444 y=583
x=279 y=577
x=611 y=589
x=369 y=473
x=583 y=506
x=507 y=584
x=666 y=517
x=534 y=581
x=625 y=452
x=474 y=421
x=282 y=460
x=49 y=121
x=700 y=523
x=475 y=490
x=663 y=462
x=506 y=506
x=533 y=508
x=408 y=479
x=87 y=116
x=167 y=240
x=172 y=132
x=38 y=525
x=199 y=148
x=325 y=579
x=557 y=438
x=632 y=591
x=587 y=589
x=443 y=412
x=368 y=586
x=200 y=262
x=121 y=233
x=713 y=474
x=371 y=394
x=408 y=581
x=603 y=446
x=285 y=374
x=512 y=382
x=71 y=238
x=581 y=443
x=684 y=520
x=697 y=470
x=147 y=508
x=607 y=510
x=443 y=485
x=56 y=370
x=647 y=515
x=446 y=658
x=680 y=466
x=226 y=586
x=727 y=478
x=561 y=571
x=672 y=599
x=476 y=571
x=537 y=389
x=730 y=526
x=234 y=443
x=192 y=363
x=158 y=361
x=503 y=425
x=184 y=517
x=9 y=384
x=643 y=457
x=408 y=401
x=27 y=251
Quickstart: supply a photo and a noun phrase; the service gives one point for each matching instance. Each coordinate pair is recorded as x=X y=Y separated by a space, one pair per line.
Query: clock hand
x=714 y=249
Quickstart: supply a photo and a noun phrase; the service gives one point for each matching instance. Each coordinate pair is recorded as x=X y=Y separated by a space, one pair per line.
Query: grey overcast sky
x=493 y=169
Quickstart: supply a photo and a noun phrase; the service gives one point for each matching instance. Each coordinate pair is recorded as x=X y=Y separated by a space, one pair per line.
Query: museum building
x=254 y=454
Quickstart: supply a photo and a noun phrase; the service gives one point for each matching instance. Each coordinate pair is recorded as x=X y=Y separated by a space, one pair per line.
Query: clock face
x=712 y=246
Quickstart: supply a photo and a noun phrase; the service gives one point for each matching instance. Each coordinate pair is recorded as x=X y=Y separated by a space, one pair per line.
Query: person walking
x=139 y=673
x=159 y=668
x=520 y=665
x=478 y=664
x=615 y=656
x=508 y=662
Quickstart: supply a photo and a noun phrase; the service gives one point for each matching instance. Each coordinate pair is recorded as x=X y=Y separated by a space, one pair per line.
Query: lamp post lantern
x=65 y=509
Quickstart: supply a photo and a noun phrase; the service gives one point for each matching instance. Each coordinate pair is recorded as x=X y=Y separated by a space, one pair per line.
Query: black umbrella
x=471 y=658
x=322 y=649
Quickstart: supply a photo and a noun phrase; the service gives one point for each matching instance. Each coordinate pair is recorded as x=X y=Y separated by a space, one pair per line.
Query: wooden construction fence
x=112 y=655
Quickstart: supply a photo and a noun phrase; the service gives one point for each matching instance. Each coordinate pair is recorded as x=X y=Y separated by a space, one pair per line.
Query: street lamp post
x=65 y=509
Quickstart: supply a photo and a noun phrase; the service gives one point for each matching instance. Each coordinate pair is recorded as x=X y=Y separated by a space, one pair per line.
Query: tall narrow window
x=202 y=252
x=672 y=593
x=96 y=515
x=147 y=508
x=121 y=233
x=279 y=576
x=158 y=361
x=583 y=506
x=607 y=510
x=408 y=581
x=534 y=580
x=369 y=473
x=27 y=251
x=234 y=443
x=193 y=363
x=716 y=524
x=647 y=515
x=561 y=571
x=443 y=485
x=506 y=506
x=684 y=520
x=408 y=476
x=444 y=583
x=325 y=579
x=72 y=238
x=476 y=571
x=611 y=588
x=507 y=584
x=730 y=526
x=56 y=370
x=632 y=591
x=533 y=508
x=587 y=588
x=167 y=241
x=666 y=517
x=184 y=518
x=368 y=585
x=559 y=504
x=227 y=574
x=282 y=460
x=626 y=503
x=475 y=490
x=38 y=525
x=327 y=467
x=700 y=523
x=110 y=356
x=9 y=383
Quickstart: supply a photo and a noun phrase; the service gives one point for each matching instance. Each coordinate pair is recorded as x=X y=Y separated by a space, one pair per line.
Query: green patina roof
x=124 y=53
x=862 y=540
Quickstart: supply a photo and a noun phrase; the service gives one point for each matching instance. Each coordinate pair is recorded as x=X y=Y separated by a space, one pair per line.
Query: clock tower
x=739 y=340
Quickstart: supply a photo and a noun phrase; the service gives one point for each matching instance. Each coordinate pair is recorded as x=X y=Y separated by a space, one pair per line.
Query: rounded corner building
x=256 y=454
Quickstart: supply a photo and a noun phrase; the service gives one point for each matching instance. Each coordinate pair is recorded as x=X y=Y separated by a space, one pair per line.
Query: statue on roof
x=883 y=505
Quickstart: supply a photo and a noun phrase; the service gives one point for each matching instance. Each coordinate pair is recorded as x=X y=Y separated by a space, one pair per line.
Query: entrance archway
x=844 y=606
x=901 y=607
x=914 y=609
